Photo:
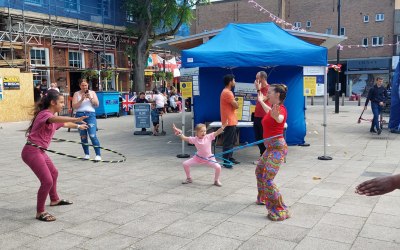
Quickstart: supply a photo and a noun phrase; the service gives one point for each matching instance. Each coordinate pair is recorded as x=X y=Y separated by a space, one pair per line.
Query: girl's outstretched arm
x=179 y=133
x=221 y=129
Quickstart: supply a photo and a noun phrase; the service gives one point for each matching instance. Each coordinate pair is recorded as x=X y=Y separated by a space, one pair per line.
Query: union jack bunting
x=128 y=101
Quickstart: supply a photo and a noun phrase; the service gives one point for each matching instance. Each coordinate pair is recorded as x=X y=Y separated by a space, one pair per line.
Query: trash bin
x=108 y=103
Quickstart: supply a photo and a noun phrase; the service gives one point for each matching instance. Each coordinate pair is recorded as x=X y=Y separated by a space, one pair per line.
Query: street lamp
x=338 y=85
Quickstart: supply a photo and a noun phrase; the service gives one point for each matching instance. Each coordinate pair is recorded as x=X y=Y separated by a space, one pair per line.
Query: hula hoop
x=79 y=157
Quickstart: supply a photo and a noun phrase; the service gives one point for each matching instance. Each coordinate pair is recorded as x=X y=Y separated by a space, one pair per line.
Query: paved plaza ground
x=141 y=204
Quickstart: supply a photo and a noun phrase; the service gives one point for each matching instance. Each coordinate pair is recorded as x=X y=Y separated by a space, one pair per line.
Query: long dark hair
x=44 y=103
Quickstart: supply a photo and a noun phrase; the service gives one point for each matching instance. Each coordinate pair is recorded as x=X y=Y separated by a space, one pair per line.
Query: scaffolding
x=20 y=29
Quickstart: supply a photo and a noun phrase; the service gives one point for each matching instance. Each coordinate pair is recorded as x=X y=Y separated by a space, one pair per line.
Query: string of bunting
x=78 y=157
x=278 y=20
x=351 y=46
x=273 y=17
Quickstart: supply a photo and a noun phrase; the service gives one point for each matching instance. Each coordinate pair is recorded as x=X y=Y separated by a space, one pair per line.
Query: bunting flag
x=336 y=67
x=128 y=101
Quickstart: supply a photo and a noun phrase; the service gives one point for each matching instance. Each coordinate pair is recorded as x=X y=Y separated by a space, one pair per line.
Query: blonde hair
x=199 y=126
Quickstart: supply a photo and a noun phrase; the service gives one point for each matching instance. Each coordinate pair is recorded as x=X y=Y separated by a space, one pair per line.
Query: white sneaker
x=97 y=158
x=87 y=157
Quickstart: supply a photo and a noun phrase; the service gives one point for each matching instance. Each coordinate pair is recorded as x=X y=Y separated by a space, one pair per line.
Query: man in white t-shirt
x=159 y=100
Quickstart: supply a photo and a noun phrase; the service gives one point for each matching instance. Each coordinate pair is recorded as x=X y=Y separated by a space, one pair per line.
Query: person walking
x=377 y=95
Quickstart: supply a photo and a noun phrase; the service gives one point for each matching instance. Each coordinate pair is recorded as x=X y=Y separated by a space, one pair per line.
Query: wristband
x=78 y=126
x=179 y=134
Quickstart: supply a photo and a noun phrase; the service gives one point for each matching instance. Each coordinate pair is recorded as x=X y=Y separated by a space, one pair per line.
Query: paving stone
x=334 y=233
x=342 y=220
x=213 y=242
x=8 y=225
x=15 y=240
x=121 y=216
x=64 y=241
x=261 y=243
x=206 y=217
x=235 y=230
x=284 y=232
x=186 y=229
x=388 y=205
x=311 y=243
x=225 y=207
x=91 y=229
x=384 y=220
x=251 y=219
x=340 y=208
x=161 y=241
x=381 y=233
x=38 y=229
x=371 y=244
x=318 y=200
x=305 y=215
x=109 y=241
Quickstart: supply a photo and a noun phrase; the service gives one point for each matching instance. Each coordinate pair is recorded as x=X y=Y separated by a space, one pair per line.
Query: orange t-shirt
x=228 y=112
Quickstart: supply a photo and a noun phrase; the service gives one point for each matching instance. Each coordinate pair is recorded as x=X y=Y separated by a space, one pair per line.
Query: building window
x=107 y=60
x=342 y=31
x=297 y=24
x=377 y=41
x=328 y=31
x=39 y=57
x=75 y=59
x=365 y=42
x=366 y=19
x=38 y=2
x=103 y=7
x=379 y=17
x=308 y=24
x=72 y=4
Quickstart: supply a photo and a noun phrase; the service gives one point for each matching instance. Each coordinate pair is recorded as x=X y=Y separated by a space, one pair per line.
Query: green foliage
x=169 y=76
x=106 y=73
x=90 y=74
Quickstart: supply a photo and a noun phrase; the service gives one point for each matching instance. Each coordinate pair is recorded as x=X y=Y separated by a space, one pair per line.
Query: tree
x=154 y=20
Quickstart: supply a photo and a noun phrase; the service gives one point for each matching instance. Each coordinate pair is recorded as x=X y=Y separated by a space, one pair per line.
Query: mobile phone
x=87 y=91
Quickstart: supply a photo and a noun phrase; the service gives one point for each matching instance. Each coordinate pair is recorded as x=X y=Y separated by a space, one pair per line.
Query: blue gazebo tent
x=245 y=49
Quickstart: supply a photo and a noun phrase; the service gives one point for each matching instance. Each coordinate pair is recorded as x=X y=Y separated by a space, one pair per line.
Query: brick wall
x=321 y=13
x=351 y=18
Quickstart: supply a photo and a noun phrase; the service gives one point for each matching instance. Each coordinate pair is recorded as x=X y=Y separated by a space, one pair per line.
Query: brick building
x=62 y=40
x=369 y=24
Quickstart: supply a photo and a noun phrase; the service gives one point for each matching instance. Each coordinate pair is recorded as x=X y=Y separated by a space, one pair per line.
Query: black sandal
x=46 y=217
x=62 y=203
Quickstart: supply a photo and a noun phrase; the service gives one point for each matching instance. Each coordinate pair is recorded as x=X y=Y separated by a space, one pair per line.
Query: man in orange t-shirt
x=228 y=106
x=262 y=86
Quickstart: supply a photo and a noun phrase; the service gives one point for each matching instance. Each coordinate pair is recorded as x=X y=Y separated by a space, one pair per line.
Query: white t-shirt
x=159 y=99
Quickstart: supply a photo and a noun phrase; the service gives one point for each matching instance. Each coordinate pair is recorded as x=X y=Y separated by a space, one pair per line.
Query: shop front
x=361 y=74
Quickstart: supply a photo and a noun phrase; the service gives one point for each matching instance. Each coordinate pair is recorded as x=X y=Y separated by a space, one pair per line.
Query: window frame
x=378 y=38
x=362 y=42
x=344 y=31
x=366 y=16
x=379 y=15
x=44 y=74
x=297 y=25
x=308 y=24
x=82 y=61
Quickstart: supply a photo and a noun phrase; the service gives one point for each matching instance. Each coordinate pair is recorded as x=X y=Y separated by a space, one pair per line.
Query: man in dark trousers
x=262 y=86
x=377 y=95
x=228 y=106
x=43 y=86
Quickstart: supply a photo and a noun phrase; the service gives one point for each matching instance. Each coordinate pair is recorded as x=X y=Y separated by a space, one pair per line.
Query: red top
x=259 y=111
x=271 y=127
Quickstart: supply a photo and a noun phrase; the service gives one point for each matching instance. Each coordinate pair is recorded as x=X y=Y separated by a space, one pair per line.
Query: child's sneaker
x=217 y=183
x=97 y=158
x=187 y=181
x=87 y=157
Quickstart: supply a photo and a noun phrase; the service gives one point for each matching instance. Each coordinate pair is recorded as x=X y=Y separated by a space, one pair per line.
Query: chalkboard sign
x=142 y=113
